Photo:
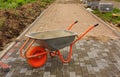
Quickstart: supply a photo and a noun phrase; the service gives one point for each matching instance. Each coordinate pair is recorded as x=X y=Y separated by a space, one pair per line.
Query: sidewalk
x=91 y=57
x=62 y=14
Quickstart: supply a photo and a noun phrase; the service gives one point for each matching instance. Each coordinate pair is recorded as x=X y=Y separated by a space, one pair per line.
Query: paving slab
x=65 y=12
x=90 y=58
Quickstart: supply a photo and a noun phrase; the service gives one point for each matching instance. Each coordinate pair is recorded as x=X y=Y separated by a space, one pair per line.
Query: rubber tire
x=36 y=62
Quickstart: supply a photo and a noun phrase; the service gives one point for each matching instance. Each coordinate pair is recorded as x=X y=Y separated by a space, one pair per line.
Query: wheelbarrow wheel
x=36 y=61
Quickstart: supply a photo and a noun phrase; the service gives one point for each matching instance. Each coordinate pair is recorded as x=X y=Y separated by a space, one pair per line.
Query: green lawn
x=108 y=16
x=8 y=4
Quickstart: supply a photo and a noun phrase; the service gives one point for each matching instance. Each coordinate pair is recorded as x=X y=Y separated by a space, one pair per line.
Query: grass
x=45 y=2
x=108 y=16
x=8 y=4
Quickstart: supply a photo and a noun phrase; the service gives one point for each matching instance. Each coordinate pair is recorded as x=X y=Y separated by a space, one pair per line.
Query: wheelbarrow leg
x=69 y=55
x=23 y=46
x=71 y=45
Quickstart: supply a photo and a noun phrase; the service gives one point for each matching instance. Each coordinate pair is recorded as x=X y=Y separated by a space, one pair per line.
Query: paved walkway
x=65 y=12
x=91 y=57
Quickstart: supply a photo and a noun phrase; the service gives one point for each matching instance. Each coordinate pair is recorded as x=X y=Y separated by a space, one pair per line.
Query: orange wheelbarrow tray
x=49 y=42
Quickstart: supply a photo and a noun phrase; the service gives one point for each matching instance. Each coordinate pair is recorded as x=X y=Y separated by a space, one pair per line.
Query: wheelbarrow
x=50 y=42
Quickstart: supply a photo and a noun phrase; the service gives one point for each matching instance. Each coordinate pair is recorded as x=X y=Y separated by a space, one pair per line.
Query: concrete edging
x=2 y=53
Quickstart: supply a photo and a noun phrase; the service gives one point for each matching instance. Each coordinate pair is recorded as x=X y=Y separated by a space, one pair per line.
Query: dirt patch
x=99 y=38
x=14 y=21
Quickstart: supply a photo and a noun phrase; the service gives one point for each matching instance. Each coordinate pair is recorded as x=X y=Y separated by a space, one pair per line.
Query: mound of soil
x=14 y=21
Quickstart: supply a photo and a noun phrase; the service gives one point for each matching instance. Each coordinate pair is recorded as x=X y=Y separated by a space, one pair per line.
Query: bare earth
x=63 y=13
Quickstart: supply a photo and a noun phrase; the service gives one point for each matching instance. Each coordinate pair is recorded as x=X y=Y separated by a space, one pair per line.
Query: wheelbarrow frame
x=57 y=52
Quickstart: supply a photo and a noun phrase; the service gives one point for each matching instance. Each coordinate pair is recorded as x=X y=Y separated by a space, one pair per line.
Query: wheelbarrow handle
x=96 y=25
x=70 y=26
x=76 y=22
x=84 y=33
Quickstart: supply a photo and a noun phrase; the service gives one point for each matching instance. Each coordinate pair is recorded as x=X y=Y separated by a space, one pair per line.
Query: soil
x=52 y=34
x=14 y=21
x=101 y=38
